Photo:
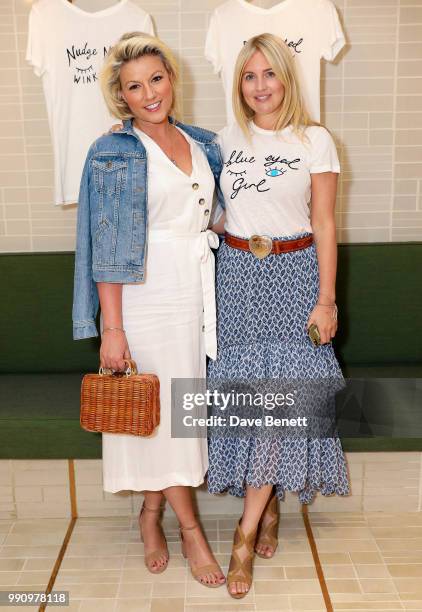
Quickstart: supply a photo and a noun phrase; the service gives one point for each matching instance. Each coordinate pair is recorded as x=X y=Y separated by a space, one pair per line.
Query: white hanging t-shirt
x=66 y=47
x=311 y=28
x=266 y=181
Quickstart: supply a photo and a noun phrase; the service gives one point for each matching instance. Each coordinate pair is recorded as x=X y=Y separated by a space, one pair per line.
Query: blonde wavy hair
x=293 y=110
x=132 y=46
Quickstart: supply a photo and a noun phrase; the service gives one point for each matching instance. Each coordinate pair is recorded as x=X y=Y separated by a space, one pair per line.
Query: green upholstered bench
x=41 y=366
x=380 y=304
x=379 y=293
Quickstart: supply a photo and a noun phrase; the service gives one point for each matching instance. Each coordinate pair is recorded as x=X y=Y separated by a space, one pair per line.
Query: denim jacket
x=111 y=242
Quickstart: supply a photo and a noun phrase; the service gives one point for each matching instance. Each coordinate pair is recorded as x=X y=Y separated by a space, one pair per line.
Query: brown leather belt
x=261 y=246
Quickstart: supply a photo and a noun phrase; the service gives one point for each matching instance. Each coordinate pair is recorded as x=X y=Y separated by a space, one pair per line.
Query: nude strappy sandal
x=241 y=571
x=268 y=535
x=204 y=569
x=155 y=555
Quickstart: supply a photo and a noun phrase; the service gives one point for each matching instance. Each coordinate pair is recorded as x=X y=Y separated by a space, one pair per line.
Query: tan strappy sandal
x=268 y=535
x=197 y=572
x=241 y=571
x=155 y=555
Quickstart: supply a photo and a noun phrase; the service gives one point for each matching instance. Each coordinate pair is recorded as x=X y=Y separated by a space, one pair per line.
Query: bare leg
x=255 y=502
x=151 y=529
x=197 y=547
x=267 y=547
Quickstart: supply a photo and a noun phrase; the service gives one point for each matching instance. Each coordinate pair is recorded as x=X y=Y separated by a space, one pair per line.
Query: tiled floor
x=371 y=561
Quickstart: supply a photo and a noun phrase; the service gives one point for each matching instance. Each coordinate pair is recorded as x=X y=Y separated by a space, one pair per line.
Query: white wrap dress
x=169 y=321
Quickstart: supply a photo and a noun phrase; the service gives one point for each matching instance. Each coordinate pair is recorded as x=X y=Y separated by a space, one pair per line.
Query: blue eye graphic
x=274 y=172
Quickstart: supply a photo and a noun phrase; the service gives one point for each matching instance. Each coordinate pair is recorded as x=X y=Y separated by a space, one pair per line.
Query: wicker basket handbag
x=120 y=402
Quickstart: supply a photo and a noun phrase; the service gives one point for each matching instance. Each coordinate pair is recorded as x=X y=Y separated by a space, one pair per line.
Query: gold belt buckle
x=260 y=246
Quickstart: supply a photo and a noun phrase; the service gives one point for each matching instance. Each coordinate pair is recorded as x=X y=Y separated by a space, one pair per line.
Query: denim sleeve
x=220 y=197
x=218 y=167
x=85 y=295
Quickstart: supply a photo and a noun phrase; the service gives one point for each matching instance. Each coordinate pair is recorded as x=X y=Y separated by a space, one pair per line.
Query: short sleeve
x=323 y=156
x=148 y=26
x=333 y=36
x=220 y=137
x=212 y=44
x=35 y=49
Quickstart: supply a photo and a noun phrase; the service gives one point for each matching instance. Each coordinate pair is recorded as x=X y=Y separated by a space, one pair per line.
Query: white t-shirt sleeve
x=35 y=53
x=212 y=44
x=220 y=136
x=323 y=155
x=333 y=37
x=148 y=26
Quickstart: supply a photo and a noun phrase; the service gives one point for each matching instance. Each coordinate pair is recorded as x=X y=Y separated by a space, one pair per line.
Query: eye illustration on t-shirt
x=237 y=166
x=239 y=163
x=275 y=165
x=233 y=173
x=81 y=61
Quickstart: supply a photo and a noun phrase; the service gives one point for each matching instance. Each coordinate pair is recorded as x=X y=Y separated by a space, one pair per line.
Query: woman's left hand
x=323 y=318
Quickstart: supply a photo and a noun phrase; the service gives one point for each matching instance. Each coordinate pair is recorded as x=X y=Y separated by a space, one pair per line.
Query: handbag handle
x=131 y=369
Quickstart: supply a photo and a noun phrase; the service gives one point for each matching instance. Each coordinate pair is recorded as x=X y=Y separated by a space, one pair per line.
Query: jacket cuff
x=84 y=329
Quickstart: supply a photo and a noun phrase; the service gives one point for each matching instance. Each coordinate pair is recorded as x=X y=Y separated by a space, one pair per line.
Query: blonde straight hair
x=292 y=111
x=132 y=46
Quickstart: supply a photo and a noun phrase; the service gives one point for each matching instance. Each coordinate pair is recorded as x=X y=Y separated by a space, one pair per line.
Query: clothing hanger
x=72 y=1
x=272 y=3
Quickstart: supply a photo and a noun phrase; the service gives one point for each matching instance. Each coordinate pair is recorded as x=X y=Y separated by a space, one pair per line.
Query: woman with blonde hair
x=143 y=253
x=276 y=274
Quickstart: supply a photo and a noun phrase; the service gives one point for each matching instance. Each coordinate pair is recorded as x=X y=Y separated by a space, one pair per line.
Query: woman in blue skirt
x=276 y=273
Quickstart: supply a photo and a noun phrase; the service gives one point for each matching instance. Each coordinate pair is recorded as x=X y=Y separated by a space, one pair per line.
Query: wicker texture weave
x=119 y=402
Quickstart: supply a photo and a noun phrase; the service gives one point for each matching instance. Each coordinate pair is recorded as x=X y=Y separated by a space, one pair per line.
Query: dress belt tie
x=204 y=241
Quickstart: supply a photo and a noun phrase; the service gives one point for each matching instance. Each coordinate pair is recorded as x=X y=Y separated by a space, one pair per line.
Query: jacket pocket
x=103 y=243
x=109 y=175
x=102 y=228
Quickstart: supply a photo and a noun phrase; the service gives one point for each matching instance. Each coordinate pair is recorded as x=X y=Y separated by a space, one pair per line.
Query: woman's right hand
x=114 y=349
x=114 y=128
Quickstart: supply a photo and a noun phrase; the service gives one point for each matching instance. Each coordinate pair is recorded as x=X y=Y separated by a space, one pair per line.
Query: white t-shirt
x=311 y=28
x=66 y=47
x=266 y=182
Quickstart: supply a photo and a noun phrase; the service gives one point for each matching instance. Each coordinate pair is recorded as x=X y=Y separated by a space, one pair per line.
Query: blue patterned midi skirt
x=262 y=311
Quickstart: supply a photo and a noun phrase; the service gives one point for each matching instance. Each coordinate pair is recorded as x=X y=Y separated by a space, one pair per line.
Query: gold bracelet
x=333 y=306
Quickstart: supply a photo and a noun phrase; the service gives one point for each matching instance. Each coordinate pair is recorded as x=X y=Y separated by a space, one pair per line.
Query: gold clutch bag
x=120 y=402
x=314 y=336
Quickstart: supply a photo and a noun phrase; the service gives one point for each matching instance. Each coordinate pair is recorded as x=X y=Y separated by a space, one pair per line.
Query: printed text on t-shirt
x=238 y=157
x=84 y=74
x=274 y=165
x=290 y=43
x=272 y=161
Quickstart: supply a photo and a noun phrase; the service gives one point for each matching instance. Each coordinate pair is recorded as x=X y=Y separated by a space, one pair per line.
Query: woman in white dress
x=167 y=322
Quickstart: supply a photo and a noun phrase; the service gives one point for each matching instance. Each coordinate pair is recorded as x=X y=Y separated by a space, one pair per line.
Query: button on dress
x=169 y=321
